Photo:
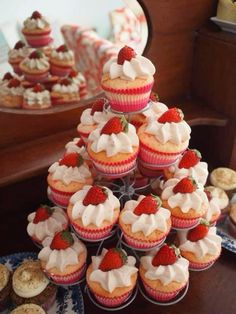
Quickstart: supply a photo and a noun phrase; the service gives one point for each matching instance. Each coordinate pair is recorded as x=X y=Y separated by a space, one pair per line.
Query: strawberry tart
x=112 y=276
x=18 y=54
x=144 y=222
x=93 y=211
x=61 y=61
x=64 y=92
x=36 y=97
x=12 y=94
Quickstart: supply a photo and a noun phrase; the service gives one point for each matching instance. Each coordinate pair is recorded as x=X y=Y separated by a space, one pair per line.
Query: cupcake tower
x=45 y=75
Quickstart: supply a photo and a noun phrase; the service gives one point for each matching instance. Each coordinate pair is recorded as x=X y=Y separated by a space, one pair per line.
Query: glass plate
x=69 y=300
x=228 y=242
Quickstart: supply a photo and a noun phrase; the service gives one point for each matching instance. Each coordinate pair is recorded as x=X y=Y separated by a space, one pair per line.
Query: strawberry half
x=36 y=54
x=171 y=115
x=66 y=81
x=148 y=205
x=20 y=44
x=185 y=185
x=80 y=143
x=167 y=255
x=42 y=213
x=190 y=158
x=125 y=54
x=73 y=74
x=115 y=125
x=98 y=105
x=154 y=97
x=36 y=15
x=62 y=240
x=199 y=232
x=113 y=259
x=95 y=195
x=62 y=48
x=72 y=160
x=14 y=83
x=7 y=76
x=38 y=88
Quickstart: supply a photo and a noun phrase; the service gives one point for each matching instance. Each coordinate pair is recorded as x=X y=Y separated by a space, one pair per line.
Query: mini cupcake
x=186 y=200
x=224 y=178
x=66 y=177
x=12 y=94
x=61 y=61
x=222 y=200
x=35 y=67
x=36 y=98
x=37 y=30
x=213 y=211
x=127 y=80
x=64 y=92
x=164 y=273
x=18 y=54
x=63 y=258
x=93 y=211
x=163 y=140
x=144 y=222
x=112 y=276
x=79 y=79
x=189 y=164
x=113 y=147
x=30 y=285
x=28 y=309
x=5 y=287
x=232 y=220
x=201 y=246
x=46 y=222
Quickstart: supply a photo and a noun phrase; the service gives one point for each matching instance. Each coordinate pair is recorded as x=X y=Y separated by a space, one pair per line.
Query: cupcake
x=28 y=309
x=127 y=80
x=113 y=147
x=222 y=199
x=61 y=61
x=224 y=178
x=63 y=258
x=68 y=176
x=186 y=201
x=12 y=94
x=45 y=222
x=213 y=210
x=37 y=30
x=163 y=140
x=79 y=79
x=112 y=276
x=18 y=54
x=5 y=287
x=35 y=67
x=164 y=273
x=232 y=220
x=201 y=246
x=144 y=222
x=30 y=285
x=93 y=211
x=64 y=92
x=36 y=98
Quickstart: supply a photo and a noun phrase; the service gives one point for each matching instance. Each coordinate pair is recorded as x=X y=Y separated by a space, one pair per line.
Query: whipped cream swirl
x=155 y=110
x=71 y=147
x=38 y=98
x=65 y=89
x=36 y=64
x=19 y=53
x=97 y=118
x=33 y=24
x=16 y=91
x=213 y=209
x=79 y=79
x=63 y=56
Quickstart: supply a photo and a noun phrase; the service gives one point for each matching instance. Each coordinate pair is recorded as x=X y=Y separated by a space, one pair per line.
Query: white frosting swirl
x=56 y=222
x=37 y=64
x=93 y=214
x=16 y=91
x=138 y=66
x=16 y=53
x=177 y=272
x=197 y=200
x=4 y=276
x=32 y=24
x=38 y=98
x=65 y=89
x=213 y=209
x=145 y=223
x=61 y=258
x=210 y=244
x=115 y=278
x=79 y=79
x=175 y=133
x=71 y=147
x=69 y=174
x=155 y=110
x=63 y=56
x=97 y=118
x=114 y=143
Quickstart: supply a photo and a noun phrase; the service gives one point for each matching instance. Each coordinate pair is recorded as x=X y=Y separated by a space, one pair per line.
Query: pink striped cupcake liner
x=60 y=198
x=112 y=302
x=181 y=223
x=67 y=279
x=159 y=295
x=36 y=78
x=201 y=266
x=59 y=71
x=40 y=40
x=91 y=234
x=16 y=68
x=138 y=244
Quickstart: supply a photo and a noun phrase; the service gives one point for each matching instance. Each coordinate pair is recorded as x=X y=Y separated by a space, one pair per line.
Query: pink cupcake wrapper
x=91 y=234
x=60 y=198
x=183 y=223
x=159 y=295
x=201 y=266
x=36 y=78
x=129 y=91
x=112 y=302
x=36 y=41
x=67 y=279
x=16 y=68
x=59 y=71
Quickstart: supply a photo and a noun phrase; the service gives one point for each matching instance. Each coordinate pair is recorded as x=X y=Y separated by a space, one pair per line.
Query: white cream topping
x=63 y=56
x=38 y=98
x=22 y=53
x=197 y=200
x=115 y=278
x=175 y=133
x=32 y=24
x=71 y=147
x=213 y=209
x=155 y=110
x=16 y=91
x=114 y=143
x=210 y=244
x=93 y=214
x=56 y=222
x=28 y=280
x=220 y=195
x=145 y=223
x=61 y=258
x=37 y=64
x=69 y=174
x=65 y=89
x=4 y=276
x=97 y=118
x=28 y=309
x=79 y=79
x=138 y=66
x=177 y=272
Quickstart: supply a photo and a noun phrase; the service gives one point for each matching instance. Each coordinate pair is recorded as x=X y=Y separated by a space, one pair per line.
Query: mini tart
x=28 y=309
x=5 y=286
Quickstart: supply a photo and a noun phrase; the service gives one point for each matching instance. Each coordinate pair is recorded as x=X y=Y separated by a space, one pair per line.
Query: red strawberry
x=185 y=185
x=115 y=125
x=208 y=194
x=36 y=54
x=80 y=143
x=62 y=48
x=14 y=83
x=125 y=54
x=98 y=105
x=7 y=76
x=148 y=205
x=72 y=160
x=167 y=255
x=66 y=81
x=171 y=115
x=154 y=97
x=95 y=195
x=38 y=88
x=190 y=158
x=19 y=45
x=42 y=213
x=36 y=15
x=73 y=74
x=62 y=240
x=199 y=232
x=113 y=259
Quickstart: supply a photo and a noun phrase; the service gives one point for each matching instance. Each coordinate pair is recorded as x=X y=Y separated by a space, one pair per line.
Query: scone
x=28 y=309
x=224 y=178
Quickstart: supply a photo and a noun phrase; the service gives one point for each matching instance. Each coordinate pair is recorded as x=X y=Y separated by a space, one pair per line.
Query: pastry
x=64 y=92
x=17 y=54
x=61 y=61
x=12 y=94
x=224 y=178
x=28 y=309
x=36 y=97
x=5 y=287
